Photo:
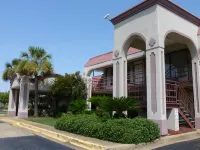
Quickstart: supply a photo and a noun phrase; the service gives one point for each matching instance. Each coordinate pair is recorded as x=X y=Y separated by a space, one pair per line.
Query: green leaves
x=10 y=69
x=126 y=131
x=4 y=97
x=7 y=74
x=78 y=106
x=70 y=87
x=24 y=55
x=118 y=105
x=36 y=62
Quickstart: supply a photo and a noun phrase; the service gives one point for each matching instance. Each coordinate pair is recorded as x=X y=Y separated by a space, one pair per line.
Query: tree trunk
x=36 y=98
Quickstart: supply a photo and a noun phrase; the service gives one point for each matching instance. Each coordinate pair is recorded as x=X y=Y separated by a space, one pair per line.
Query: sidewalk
x=95 y=144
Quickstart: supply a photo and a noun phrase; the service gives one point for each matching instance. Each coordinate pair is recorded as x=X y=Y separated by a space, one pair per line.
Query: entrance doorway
x=17 y=102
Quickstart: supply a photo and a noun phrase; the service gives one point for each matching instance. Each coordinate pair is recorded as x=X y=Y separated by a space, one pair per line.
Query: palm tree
x=10 y=69
x=35 y=63
x=119 y=105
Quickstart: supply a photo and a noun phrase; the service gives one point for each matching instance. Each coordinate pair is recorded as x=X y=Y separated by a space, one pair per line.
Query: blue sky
x=71 y=30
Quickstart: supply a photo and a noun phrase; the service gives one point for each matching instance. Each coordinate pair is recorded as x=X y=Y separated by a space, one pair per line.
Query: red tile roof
x=106 y=57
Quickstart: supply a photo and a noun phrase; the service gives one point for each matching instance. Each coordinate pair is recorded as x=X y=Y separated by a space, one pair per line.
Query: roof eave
x=147 y=4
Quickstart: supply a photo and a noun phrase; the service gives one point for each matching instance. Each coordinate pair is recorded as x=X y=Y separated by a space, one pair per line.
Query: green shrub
x=78 y=106
x=5 y=106
x=88 y=112
x=126 y=131
x=119 y=105
x=97 y=100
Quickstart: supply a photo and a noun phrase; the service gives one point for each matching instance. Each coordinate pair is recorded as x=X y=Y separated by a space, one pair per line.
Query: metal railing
x=176 y=94
x=102 y=84
x=136 y=86
x=183 y=74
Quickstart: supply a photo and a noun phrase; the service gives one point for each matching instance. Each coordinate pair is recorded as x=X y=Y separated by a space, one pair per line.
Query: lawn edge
x=163 y=141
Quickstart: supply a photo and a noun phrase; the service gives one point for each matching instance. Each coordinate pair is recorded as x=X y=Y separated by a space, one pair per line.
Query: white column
x=119 y=77
x=173 y=119
x=24 y=97
x=196 y=90
x=89 y=91
x=196 y=85
x=12 y=103
x=156 y=96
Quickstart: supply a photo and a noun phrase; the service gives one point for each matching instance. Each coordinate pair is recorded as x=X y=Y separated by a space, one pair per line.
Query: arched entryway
x=136 y=70
x=181 y=81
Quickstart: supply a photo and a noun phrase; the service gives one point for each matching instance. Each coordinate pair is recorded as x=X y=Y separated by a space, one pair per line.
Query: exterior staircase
x=177 y=97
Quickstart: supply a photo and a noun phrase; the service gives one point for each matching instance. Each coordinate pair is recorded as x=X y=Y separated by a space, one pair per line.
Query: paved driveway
x=13 y=138
x=188 y=145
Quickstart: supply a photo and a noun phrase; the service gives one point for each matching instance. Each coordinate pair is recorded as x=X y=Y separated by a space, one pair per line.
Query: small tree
x=35 y=63
x=4 y=97
x=69 y=87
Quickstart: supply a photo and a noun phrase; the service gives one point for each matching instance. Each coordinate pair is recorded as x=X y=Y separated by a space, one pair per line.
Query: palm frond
x=20 y=68
x=24 y=55
x=36 y=52
x=7 y=74
x=15 y=62
x=8 y=65
x=47 y=57
x=31 y=67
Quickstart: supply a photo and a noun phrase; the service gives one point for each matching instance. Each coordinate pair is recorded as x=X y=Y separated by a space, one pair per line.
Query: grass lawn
x=46 y=121
x=3 y=112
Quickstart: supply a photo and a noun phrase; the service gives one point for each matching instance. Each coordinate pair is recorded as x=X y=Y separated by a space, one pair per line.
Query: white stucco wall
x=88 y=70
x=43 y=86
x=169 y=21
x=15 y=84
x=144 y=23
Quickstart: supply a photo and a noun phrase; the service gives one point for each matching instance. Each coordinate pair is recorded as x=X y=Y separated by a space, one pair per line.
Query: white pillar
x=24 y=97
x=119 y=77
x=89 y=91
x=173 y=119
x=196 y=85
x=196 y=90
x=156 y=96
x=12 y=103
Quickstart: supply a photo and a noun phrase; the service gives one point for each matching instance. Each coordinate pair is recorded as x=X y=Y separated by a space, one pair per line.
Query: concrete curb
x=94 y=146
x=56 y=136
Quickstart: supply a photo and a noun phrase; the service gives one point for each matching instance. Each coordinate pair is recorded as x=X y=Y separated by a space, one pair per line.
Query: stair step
x=187 y=114
x=182 y=120
x=181 y=123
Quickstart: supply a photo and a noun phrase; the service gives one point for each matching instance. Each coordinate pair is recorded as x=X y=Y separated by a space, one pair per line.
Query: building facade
x=156 y=60
x=20 y=89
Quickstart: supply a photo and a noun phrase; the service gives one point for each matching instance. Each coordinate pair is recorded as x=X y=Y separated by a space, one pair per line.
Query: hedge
x=126 y=131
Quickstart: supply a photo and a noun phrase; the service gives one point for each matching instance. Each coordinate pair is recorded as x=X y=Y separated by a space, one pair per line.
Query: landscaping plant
x=78 y=106
x=126 y=131
x=36 y=64
x=69 y=87
x=117 y=105
x=4 y=97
